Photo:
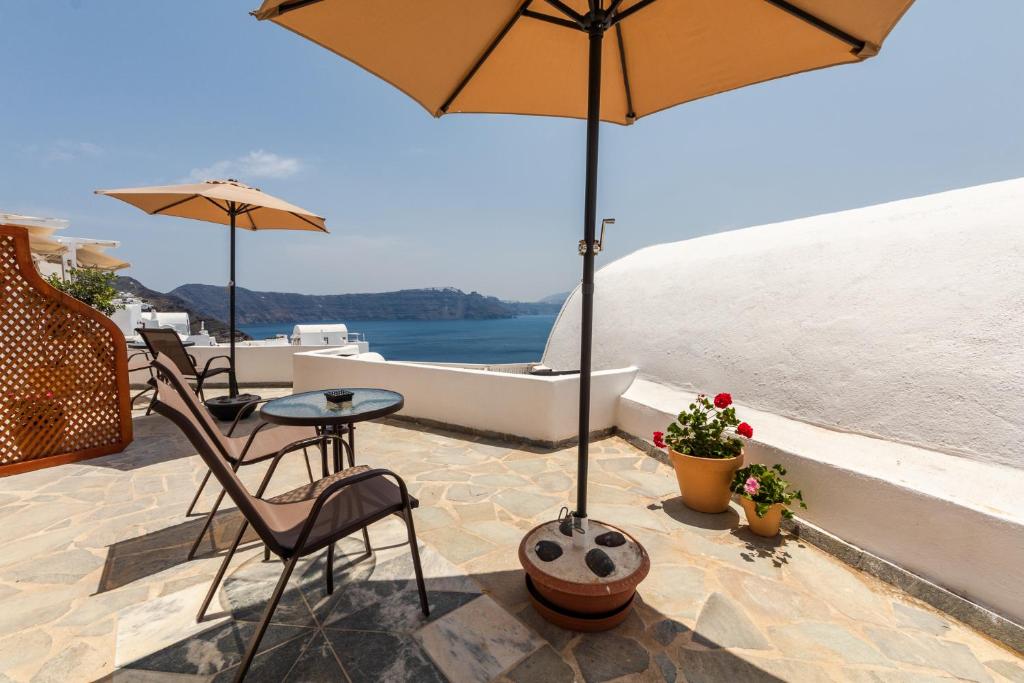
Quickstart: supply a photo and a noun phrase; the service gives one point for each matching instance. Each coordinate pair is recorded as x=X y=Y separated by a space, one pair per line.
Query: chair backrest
x=172 y=402
x=198 y=410
x=167 y=342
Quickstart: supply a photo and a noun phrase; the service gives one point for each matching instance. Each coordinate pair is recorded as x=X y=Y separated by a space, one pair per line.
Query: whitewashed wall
x=903 y=320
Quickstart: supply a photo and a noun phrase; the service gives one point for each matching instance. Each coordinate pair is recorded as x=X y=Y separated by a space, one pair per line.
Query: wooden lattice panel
x=63 y=370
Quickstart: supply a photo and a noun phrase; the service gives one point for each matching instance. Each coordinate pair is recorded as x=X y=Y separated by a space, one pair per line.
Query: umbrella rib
x=222 y=208
x=619 y=16
x=630 y=114
x=303 y=218
x=820 y=24
x=174 y=204
x=568 y=11
x=557 y=21
x=483 y=58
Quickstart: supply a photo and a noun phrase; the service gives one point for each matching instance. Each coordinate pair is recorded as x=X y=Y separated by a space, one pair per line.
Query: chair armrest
x=238 y=418
x=294 y=446
x=209 y=362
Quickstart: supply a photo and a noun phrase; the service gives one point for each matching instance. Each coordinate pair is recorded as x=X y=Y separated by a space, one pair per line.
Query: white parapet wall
x=269 y=365
x=536 y=408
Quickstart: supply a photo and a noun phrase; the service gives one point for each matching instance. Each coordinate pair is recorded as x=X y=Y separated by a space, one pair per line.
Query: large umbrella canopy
x=93 y=256
x=515 y=57
x=227 y=202
x=552 y=58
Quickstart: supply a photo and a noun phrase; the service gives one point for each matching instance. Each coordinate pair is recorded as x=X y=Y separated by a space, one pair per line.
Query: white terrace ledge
x=951 y=520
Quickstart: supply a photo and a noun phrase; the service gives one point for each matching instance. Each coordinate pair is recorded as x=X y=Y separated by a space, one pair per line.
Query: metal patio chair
x=261 y=444
x=166 y=341
x=297 y=523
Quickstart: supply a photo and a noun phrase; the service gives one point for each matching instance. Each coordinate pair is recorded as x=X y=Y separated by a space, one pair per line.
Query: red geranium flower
x=723 y=401
x=745 y=430
x=659 y=439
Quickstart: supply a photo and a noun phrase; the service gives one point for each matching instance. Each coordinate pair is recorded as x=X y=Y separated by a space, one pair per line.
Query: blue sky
x=115 y=93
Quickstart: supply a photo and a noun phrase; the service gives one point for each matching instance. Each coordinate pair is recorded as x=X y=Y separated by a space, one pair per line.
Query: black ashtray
x=338 y=396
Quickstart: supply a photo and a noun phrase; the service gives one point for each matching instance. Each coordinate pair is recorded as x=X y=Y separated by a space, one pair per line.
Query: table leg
x=337 y=455
x=352 y=445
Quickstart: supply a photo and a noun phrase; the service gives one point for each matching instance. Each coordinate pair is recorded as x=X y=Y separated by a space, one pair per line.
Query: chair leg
x=329 y=569
x=254 y=644
x=415 y=550
x=149 y=409
x=206 y=525
x=220 y=572
x=195 y=500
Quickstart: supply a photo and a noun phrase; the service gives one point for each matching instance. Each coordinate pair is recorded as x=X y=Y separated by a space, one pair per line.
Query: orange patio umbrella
x=227 y=202
x=610 y=60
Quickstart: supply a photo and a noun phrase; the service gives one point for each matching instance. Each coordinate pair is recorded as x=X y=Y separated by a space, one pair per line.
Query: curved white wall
x=903 y=320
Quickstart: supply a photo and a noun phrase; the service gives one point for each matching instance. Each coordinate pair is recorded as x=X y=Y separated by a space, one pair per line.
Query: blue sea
x=508 y=340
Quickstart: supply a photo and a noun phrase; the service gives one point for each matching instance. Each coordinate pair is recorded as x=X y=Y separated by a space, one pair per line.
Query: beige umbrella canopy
x=611 y=60
x=90 y=256
x=516 y=57
x=227 y=202
x=214 y=201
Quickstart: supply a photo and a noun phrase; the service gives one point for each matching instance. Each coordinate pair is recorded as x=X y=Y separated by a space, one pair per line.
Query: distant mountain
x=557 y=299
x=255 y=307
x=168 y=303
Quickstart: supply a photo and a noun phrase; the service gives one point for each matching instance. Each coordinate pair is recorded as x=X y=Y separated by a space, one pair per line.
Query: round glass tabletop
x=313 y=408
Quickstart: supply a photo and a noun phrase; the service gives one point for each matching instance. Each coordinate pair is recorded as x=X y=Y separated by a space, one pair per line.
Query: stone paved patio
x=94 y=584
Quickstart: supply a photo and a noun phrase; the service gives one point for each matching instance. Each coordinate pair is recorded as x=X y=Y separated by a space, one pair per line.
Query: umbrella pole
x=587 y=288
x=232 y=381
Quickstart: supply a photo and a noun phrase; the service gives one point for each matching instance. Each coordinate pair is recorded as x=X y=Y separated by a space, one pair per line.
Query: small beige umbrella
x=91 y=256
x=227 y=202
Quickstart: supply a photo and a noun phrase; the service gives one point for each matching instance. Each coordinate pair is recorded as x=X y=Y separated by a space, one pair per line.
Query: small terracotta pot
x=704 y=482
x=767 y=526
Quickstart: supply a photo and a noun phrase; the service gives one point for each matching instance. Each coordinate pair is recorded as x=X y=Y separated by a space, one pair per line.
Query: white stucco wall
x=256 y=365
x=538 y=408
x=902 y=321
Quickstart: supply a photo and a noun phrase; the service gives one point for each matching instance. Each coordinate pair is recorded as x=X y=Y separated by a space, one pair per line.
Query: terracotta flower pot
x=704 y=482
x=767 y=526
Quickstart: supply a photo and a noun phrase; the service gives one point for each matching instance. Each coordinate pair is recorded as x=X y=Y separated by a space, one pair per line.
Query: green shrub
x=91 y=286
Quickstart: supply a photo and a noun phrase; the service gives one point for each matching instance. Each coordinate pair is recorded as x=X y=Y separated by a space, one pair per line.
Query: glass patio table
x=312 y=409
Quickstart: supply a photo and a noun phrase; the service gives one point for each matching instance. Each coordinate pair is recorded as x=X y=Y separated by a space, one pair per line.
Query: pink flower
x=659 y=439
x=751 y=486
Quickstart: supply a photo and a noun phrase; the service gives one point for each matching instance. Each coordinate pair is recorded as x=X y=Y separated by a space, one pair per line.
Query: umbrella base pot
x=587 y=586
x=227 y=408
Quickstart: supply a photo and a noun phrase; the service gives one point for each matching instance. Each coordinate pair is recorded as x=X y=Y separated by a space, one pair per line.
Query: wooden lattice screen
x=63 y=370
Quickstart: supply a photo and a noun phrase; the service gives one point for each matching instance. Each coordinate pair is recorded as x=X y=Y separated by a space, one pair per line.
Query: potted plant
x=765 y=497
x=705 y=452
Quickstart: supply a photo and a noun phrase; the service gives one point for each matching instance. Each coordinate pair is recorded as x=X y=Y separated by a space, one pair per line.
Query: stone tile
x=400 y=612
x=558 y=637
x=1008 y=670
x=444 y=475
x=477 y=642
x=427 y=518
x=25 y=647
x=372 y=657
x=500 y=481
x=677 y=590
x=273 y=664
x=717 y=666
x=468 y=493
x=524 y=504
x=653 y=485
x=814 y=640
x=914 y=617
x=666 y=630
x=543 y=665
x=553 y=482
x=476 y=512
x=666 y=667
x=723 y=623
x=607 y=656
x=77 y=661
x=316 y=662
x=955 y=658
x=499 y=533
x=457 y=545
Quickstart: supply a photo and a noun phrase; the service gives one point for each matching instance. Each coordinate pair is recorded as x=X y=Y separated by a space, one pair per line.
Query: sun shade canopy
x=213 y=200
x=529 y=57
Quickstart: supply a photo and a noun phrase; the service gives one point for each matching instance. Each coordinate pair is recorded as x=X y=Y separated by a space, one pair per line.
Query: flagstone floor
x=94 y=584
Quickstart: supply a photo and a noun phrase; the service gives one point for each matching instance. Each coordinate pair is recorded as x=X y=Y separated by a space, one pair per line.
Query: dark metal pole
x=232 y=381
x=589 y=228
